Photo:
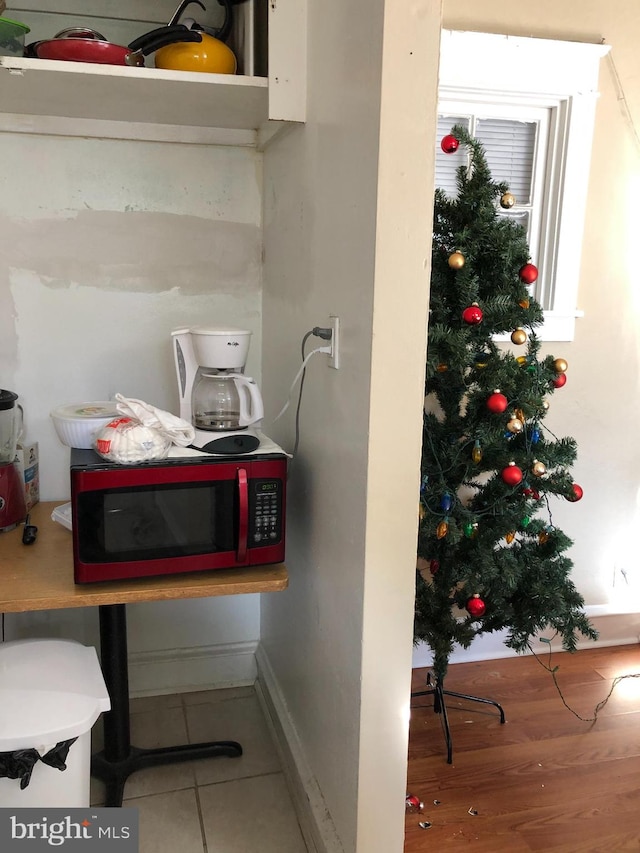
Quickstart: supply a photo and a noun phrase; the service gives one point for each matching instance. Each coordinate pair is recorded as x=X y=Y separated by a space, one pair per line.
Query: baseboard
x=318 y=830
x=614 y=628
x=186 y=670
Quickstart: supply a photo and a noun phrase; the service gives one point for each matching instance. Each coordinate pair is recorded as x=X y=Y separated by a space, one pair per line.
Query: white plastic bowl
x=77 y=424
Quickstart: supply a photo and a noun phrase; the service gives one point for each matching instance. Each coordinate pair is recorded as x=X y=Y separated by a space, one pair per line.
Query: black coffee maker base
x=231 y=445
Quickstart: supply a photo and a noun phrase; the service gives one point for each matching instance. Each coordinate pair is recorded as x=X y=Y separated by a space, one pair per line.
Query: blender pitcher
x=12 y=503
x=10 y=426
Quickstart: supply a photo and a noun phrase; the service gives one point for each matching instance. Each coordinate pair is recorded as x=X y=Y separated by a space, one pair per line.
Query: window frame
x=506 y=73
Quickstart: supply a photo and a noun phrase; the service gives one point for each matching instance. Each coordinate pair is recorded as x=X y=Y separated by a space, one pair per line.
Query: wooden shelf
x=78 y=98
x=40 y=576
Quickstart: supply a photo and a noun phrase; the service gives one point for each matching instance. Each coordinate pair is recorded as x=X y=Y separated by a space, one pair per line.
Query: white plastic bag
x=178 y=430
x=126 y=440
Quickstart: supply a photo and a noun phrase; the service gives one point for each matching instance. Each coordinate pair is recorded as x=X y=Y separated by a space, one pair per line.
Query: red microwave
x=176 y=515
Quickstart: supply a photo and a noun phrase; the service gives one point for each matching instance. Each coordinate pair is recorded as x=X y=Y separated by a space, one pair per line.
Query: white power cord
x=298 y=375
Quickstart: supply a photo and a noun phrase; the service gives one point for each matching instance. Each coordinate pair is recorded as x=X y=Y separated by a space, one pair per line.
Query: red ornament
x=413 y=803
x=449 y=144
x=577 y=493
x=560 y=380
x=472 y=315
x=528 y=273
x=531 y=493
x=512 y=475
x=434 y=565
x=476 y=606
x=497 y=403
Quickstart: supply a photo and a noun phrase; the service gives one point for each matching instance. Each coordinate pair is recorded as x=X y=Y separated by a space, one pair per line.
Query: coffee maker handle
x=251 y=406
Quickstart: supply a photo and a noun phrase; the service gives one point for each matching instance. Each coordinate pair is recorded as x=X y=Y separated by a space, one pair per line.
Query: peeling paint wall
x=105 y=247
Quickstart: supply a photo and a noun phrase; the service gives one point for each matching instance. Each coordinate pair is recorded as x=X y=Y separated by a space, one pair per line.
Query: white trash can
x=51 y=691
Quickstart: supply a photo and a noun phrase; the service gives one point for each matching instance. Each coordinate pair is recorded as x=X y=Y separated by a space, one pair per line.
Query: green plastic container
x=12 y=35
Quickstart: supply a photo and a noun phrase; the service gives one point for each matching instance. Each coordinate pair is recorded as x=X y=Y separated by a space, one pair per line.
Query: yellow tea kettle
x=211 y=55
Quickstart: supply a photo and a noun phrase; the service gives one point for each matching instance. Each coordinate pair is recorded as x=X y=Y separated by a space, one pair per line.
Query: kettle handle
x=251 y=406
x=222 y=32
x=175 y=18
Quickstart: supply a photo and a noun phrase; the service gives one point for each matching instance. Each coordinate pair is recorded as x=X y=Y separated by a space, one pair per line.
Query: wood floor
x=543 y=781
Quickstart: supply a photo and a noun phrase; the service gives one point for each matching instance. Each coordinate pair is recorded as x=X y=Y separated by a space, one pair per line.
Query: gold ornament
x=456 y=261
x=545 y=405
x=507 y=200
x=522 y=360
x=515 y=425
x=560 y=365
x=538 y=469
x=518 y=336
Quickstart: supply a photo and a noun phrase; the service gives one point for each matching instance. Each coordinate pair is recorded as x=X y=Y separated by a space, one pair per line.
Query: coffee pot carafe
x=13 y=509
x=215 y=395
x=223 y=402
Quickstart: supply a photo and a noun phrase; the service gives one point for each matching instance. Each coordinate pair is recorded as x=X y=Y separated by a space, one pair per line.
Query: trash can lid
x=50 y=690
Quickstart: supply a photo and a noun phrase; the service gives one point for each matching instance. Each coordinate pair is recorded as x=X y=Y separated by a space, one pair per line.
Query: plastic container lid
x=11 y=29
x=87 y=411
x=63 y=515
x=50 y=691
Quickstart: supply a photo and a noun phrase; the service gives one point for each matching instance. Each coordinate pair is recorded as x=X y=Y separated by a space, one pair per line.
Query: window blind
x=447 y=164
x=510 y=147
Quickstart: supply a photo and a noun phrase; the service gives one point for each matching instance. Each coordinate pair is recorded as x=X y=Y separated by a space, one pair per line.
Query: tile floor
x=217 y=805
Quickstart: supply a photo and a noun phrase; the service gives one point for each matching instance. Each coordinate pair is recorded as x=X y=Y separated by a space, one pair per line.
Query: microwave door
x=168 y=521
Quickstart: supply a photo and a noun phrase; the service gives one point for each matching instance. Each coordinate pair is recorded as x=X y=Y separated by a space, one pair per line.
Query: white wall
x=105 y=246
x=347 y=231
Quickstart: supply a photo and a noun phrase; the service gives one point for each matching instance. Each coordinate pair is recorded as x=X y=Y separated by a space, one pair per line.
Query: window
x=531 y=102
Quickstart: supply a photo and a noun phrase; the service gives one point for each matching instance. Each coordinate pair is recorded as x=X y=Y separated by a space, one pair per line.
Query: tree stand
x=439 y=707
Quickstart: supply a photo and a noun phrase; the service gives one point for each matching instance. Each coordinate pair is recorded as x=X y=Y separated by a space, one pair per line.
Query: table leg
x=119 y=759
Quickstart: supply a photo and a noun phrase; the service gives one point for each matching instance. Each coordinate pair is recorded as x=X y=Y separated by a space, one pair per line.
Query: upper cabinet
x=119 y=101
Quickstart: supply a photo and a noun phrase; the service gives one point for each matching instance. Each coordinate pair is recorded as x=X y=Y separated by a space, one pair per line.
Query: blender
x=215 y=395
x=13 y=509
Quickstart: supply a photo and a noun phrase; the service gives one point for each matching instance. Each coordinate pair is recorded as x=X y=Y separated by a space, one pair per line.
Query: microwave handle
x=243 y=527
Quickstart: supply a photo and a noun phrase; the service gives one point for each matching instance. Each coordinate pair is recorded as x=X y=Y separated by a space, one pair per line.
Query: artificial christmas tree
x=489 y=555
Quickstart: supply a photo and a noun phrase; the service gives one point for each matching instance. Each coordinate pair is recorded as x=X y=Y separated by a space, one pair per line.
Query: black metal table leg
x=119 y=759
x=439 y=707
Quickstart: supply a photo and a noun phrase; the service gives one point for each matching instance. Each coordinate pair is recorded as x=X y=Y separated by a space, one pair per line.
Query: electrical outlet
x=334 y=355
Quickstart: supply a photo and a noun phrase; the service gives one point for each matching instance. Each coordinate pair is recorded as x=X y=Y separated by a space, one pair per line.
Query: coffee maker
x=13 y=510
x=223 y=404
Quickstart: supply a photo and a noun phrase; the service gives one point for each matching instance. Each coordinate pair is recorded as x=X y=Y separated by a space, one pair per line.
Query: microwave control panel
x=265 y=512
